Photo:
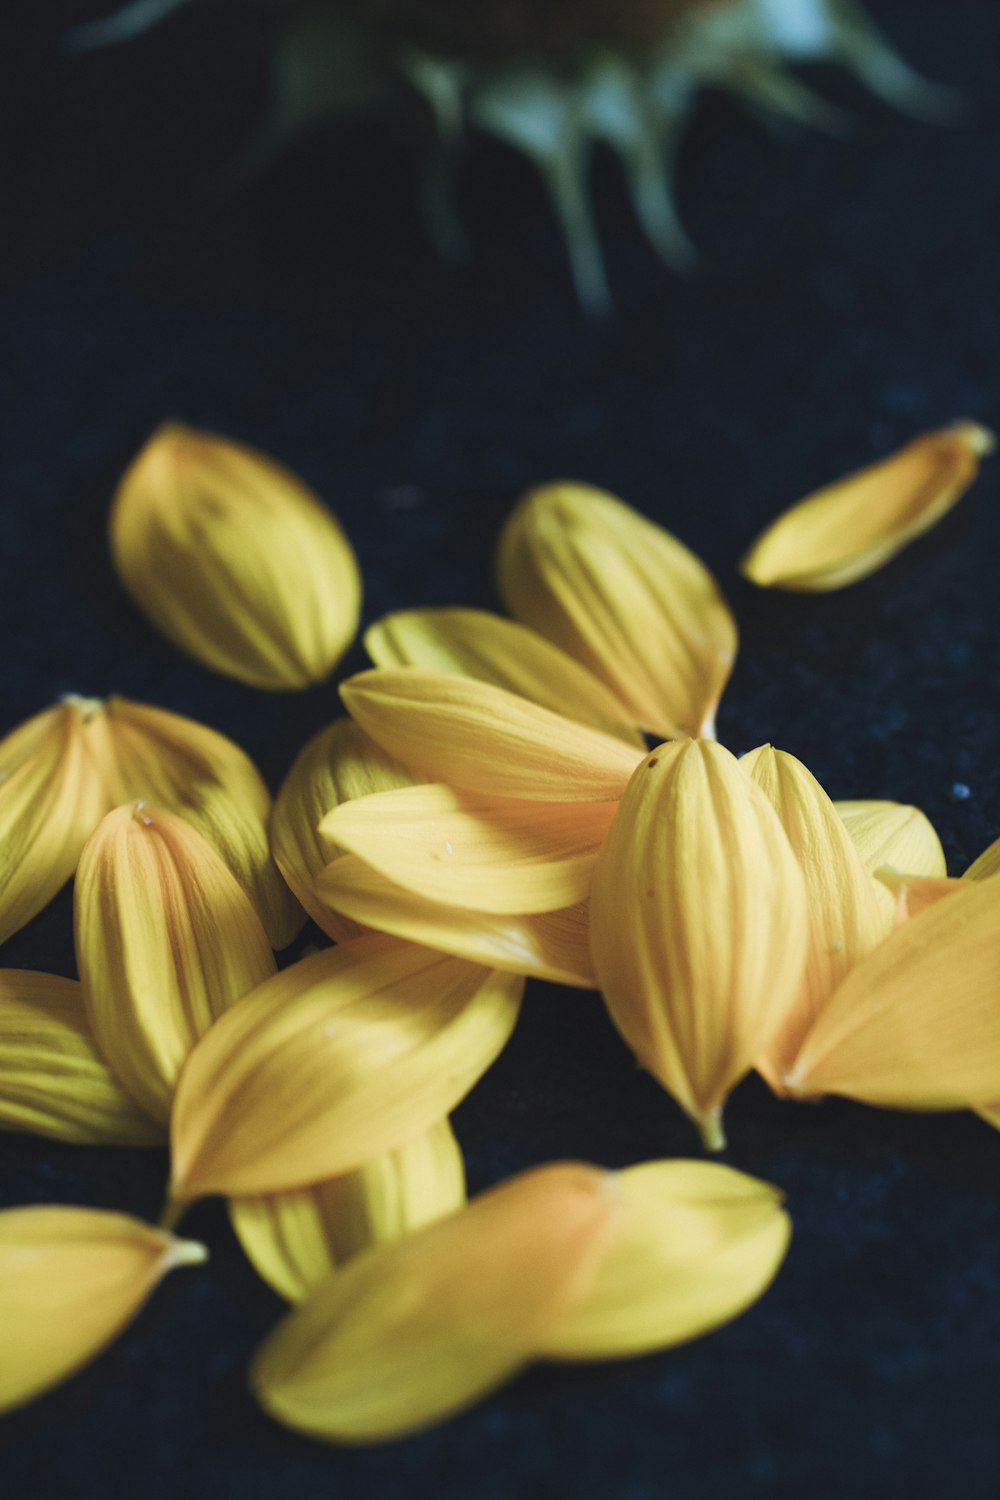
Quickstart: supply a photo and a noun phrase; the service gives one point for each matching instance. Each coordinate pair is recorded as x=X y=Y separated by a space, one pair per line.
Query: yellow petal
x=490 y=854
x=986 y=866
x=695 y=1245
x=625 y=599
x=699 y=928
x=849 y=529
x=235 y=560
x=295 y=1239
x=548 y=945
x=165 y=941
x=53 y=1081
x=503 y=652
x=70 y=1281
x=409 y=1333
x=892 y=833
x=338 y=1058
x=845 y=915
x=338 y=764
x=917 y=1024
x=482 y=738
x=914 y=893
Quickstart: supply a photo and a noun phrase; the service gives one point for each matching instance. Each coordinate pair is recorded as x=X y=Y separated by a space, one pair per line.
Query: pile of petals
x=491 y=810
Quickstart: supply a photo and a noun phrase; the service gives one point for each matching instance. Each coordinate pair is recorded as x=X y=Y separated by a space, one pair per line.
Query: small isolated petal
x=699 y=927
x=338 y=1058
x=987 y=865
x=297 y=1238
x=70 y=1281
x=235 y=560
x=53 y=1081
x=895 y=834
x=624 y=598
x=165 y=941
x=849 y=529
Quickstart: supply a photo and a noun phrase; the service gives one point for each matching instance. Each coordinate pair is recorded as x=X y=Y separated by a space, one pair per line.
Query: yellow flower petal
x=892 y=833
x=695 y=1245
x=482 y=738
x=849 y=529
x=917 y=1024
x=548 y=945
x=410 y=1333
x=70 y=1281
x=699 y=928
x=625 y=599
x=338 y=1058
x=912 y=894
x=295 y=1239
x=503 y=652
x=165 y=941
x=490 y=854
x=986 y=866
x=338 y=764
x=235 y=560
x=845 y=915
x=53 y=1081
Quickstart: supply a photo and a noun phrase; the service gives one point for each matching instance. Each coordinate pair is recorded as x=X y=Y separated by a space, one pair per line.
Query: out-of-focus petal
x=986 y=865
x=912 y=894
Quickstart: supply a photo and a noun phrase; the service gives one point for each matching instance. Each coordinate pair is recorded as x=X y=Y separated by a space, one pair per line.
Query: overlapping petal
x=894 y=834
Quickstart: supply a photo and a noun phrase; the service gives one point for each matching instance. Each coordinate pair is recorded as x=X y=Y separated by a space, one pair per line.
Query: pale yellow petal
x=986 y=865
x=895 y=834
x=70 y=1281
x=848 y=529
x=340 y=1057
x=410 y=1333
x=165 y=941
x=504 y=652
x=297 y=1238
x=235 y=560
x=699 y=927
x=625 y=599
x=912 y=894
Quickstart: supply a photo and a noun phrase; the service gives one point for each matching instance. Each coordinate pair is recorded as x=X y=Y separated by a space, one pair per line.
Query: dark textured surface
x=848 y=299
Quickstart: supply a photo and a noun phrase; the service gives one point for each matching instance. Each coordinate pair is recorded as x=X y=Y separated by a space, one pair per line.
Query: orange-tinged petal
x=917 y=1024
x=70 y=1281
x=490 y=854
x=295 y=1239
x=699 y=927
x=53 y=1080
x=235 y=560
x=625 y=599
x=165 y=941
x=340 y=1057
x=845 y=915
x=504 y=652
x=986 y=865
x=913 y=893
x=410 y=1333
x=480 y=737
x=893 y=833
x=848 y=529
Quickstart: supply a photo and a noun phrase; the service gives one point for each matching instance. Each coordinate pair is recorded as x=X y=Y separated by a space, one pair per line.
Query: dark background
x=847 y=300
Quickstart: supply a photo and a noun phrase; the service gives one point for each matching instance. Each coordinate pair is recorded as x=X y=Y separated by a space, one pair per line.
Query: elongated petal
x=337 y=765
x=338 y=1058
x=849 y=529
x=986 y=866
x=548 y=945
x=70 y=1281
x=491 y=854
x=165 y=941
x=695 y=1245
x=482 y=738
x=235 y=560
x=503 y=652
x=917 y=1024
x=295 y=1239
x=892 y=833
x=53 y=1080
x=409 y=1333
x=625 y=599
x=699 y=927
x=845 y=914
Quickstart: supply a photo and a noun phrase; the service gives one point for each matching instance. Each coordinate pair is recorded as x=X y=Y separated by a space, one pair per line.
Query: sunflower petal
x=482 y=738
x=340 y=1057
x=699 y=927
x=70 y=1281
x=625 y=599
x=849 y=529
x=235 y=560
x=892 y=833
x=295 y=1239
x=165 y=941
